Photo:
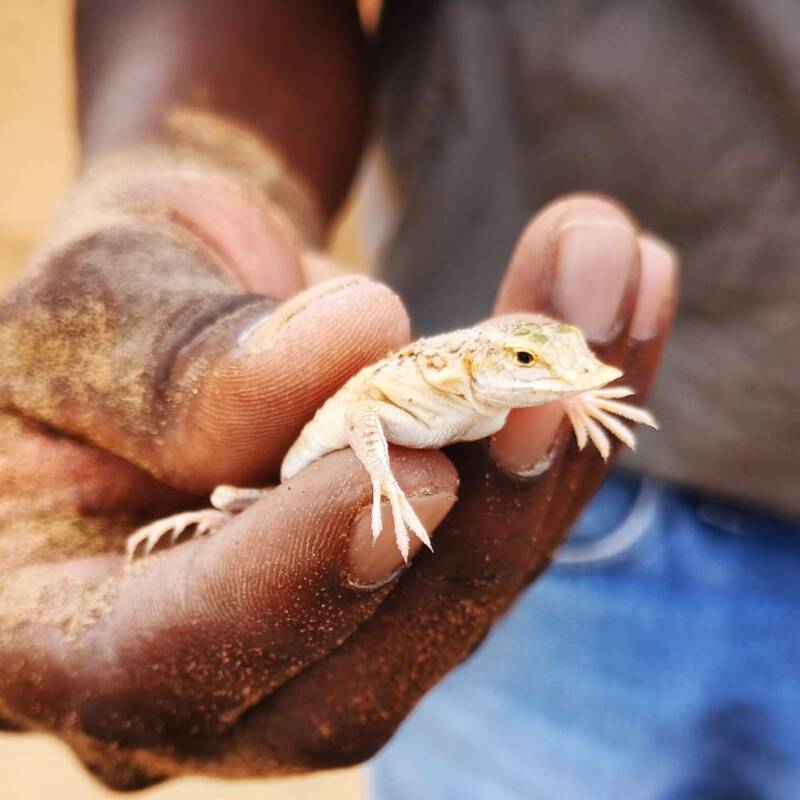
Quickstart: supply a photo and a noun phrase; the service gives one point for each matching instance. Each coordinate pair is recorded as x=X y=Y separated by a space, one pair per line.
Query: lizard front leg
x=369 y=443
x=597 y=409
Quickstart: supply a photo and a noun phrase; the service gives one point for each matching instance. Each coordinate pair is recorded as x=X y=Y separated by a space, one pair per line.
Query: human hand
x=136 y=372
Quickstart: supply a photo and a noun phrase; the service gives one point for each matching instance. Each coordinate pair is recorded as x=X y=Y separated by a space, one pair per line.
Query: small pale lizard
x=456 y=387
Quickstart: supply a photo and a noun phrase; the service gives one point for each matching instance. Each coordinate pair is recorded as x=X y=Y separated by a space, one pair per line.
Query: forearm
x=291 y=72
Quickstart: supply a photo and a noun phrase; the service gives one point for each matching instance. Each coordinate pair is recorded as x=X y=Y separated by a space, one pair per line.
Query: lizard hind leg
x=227 y=501
x=205 y=522
x=234 y=499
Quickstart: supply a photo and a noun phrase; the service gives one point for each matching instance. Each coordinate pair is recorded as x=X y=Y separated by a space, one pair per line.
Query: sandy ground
x=37 y=158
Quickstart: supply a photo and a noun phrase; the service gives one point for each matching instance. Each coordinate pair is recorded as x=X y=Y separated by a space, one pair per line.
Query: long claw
x=612 y=392
x=633 y=413
x=400 y=530
x=377 y=518
x=619 y=429
x=414 y=522
x=599 y=438
x=130 y=547
x=176 y=532
x=576 y=418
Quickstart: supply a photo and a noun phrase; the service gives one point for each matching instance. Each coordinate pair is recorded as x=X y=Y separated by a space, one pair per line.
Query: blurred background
x=37 y=158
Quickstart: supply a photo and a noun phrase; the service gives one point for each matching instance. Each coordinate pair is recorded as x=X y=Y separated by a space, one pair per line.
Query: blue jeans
x=659 y=659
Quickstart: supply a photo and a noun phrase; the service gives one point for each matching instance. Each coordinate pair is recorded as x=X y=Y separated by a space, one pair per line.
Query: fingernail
x=657 y=284
x=524 y=445
x=594 y=261
x=373 y=564
x=260 y=334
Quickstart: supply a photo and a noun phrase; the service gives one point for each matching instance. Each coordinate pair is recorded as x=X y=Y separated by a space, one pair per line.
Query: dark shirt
x=688 y=113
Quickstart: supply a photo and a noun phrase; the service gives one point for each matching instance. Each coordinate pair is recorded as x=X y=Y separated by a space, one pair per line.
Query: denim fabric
x=659 y=659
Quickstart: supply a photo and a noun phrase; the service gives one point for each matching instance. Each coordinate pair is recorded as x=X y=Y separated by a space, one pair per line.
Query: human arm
x=139 y=671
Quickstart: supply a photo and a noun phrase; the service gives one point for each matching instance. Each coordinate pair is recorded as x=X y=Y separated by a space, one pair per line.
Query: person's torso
x=688 y=113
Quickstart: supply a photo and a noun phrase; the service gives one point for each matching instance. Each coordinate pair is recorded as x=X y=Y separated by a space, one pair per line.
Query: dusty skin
x=125 y=396
x=328 y=672
x=37 y=119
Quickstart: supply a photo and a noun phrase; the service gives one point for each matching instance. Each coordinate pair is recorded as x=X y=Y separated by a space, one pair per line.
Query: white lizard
x=456 y=387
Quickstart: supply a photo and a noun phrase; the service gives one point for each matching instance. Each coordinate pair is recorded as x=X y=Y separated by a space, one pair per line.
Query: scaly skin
x=456 y=387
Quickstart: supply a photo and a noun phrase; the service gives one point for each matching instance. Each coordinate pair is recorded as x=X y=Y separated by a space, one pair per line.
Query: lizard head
x=519 y=364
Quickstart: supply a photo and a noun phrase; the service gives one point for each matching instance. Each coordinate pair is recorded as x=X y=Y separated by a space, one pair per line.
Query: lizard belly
x=441 y=430
x=416 y=414
x=414 y=433
x=484 y=426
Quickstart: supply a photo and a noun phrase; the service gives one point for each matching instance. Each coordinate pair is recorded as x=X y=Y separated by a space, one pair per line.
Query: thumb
x=185 y=642
x=136 y=339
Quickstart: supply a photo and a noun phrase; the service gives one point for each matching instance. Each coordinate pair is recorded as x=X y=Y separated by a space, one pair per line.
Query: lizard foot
x=234 y=499
x=592 y=411
x=205 y=522
x=403 y=515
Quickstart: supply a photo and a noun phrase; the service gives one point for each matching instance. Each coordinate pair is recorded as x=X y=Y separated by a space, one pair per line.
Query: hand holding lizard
x=134 y=375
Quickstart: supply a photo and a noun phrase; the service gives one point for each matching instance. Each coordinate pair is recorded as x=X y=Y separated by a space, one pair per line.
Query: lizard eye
x=524 y=357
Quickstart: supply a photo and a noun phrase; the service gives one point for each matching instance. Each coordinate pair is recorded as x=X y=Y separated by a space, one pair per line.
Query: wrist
x=210 y=180
x=205 y=151
x=293 y=74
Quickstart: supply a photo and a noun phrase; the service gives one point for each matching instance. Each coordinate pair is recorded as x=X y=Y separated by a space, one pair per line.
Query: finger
x=135 y=339
x=44 y=472
x=578 y=260
x=655 y=308
x=494 y=541
x=182 y=644
x=260 y=382
x=650 y=323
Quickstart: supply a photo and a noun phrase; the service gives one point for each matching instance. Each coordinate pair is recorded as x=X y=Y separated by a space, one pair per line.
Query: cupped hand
x=145 y=358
